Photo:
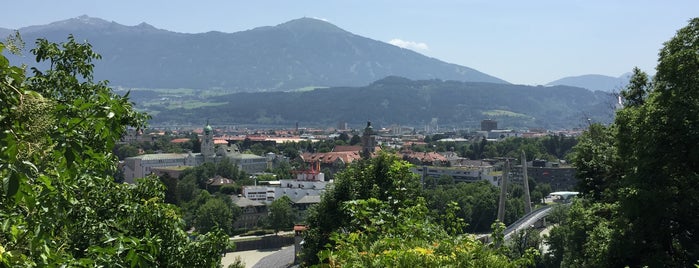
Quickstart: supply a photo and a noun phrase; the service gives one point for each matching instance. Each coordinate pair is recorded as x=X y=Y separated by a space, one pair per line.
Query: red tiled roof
x=220 y=141
x=180 y=140
x=347 y=148
x=331 y=157
x=425 y=157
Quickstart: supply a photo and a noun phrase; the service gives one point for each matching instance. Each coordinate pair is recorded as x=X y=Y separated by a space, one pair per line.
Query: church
x=144 y=165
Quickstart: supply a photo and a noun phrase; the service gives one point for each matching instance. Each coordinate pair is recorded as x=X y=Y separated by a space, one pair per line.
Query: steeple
x=207 y=128
x=207 y=144
x=368 y=141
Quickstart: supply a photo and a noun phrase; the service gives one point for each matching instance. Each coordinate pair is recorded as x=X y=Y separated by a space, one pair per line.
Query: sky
x=523 y=42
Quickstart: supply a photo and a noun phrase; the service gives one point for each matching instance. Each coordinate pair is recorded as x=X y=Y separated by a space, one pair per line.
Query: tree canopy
x=640 y=176
x=375 y=216
x=59 y=202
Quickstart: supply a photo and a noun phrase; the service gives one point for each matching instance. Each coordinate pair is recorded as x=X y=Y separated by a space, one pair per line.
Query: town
x=286 y=141
x=299 y=163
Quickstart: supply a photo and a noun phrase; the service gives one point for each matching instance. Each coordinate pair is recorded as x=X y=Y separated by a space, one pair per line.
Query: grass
x=496 y=113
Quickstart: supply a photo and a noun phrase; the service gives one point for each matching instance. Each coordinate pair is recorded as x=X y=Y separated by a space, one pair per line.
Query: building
x=215 y=183
x=144 y=165
x=489 y=125
x=368 y=141
x=339 y=157
x=561 y=178
x=484 y=172
x=249 y=163
x=307 y=183
x=251 y=212
x=425 y=158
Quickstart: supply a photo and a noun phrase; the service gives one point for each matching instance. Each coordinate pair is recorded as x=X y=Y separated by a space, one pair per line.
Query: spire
x=368 y=141
x=207 y=128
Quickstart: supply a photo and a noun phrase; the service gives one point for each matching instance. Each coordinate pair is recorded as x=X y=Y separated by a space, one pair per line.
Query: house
x=425 y=158
x=251 y=212
x=215 y=183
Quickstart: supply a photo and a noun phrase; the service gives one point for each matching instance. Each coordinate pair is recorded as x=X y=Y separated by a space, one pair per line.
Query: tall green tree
x=659 y=144
x=640 y=176
x=59 y=204
x=214 y=214
x=385 y=178
x=281 y=214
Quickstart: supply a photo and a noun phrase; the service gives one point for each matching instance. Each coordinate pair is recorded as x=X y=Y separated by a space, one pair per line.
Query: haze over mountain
x=296 y=54
x=595 y=82
x=393 y=100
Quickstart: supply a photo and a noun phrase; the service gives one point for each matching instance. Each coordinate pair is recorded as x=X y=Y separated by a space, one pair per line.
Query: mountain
x=5 y=32
x=394 y=100
x=595 y=82
x=296 y=54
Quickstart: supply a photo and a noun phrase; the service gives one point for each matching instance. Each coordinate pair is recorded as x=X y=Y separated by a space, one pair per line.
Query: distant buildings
x=560 y=177
x=252 y=212
x=143 y=165
x=468 y=171
x=489 y=125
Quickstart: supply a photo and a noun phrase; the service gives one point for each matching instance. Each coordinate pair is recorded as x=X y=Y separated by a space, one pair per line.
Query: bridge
x=534 y=218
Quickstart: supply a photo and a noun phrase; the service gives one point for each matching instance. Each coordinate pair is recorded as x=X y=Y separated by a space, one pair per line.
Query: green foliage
x=59 y=204
x=382 y=238
x=281 y=214
x=522 y=242
x=408 y=102
x=476 y=203
x=356 y=139
x=597 y=162
x=385 y=178
x=214 y=214
x=639 y=177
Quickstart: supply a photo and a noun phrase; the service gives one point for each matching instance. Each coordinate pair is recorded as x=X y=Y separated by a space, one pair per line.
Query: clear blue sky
x=523 y=42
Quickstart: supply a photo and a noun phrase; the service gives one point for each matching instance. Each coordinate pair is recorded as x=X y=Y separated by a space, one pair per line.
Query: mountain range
x=365 y=79
x=395 y=100
x=595 y=82
x=296 y=54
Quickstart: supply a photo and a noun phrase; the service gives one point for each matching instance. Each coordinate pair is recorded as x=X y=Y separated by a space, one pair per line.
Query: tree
x=381 y=237
x=214 y=214
x=659 y=145
x=638 y=89
x=59 y=204
x=385 y=178
x=639 y=177
x=344 y=137
x=281 y=214
x=356 y=139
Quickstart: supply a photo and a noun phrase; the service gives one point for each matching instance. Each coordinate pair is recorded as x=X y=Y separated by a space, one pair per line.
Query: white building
x=308 y=183
x=140 y=166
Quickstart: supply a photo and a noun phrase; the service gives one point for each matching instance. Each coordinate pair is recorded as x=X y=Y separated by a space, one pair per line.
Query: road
x=262 y=258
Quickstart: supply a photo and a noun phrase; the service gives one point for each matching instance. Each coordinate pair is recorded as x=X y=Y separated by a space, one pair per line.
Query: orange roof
x=331 y=157
x=180 y=140
x=347 y=148
x=425 y=157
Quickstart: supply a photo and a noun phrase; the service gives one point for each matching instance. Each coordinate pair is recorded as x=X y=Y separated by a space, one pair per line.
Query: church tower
x=368 y=141
x=207 y=144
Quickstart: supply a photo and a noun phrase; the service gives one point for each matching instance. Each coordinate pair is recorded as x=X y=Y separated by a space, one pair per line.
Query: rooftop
x=160 y=156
